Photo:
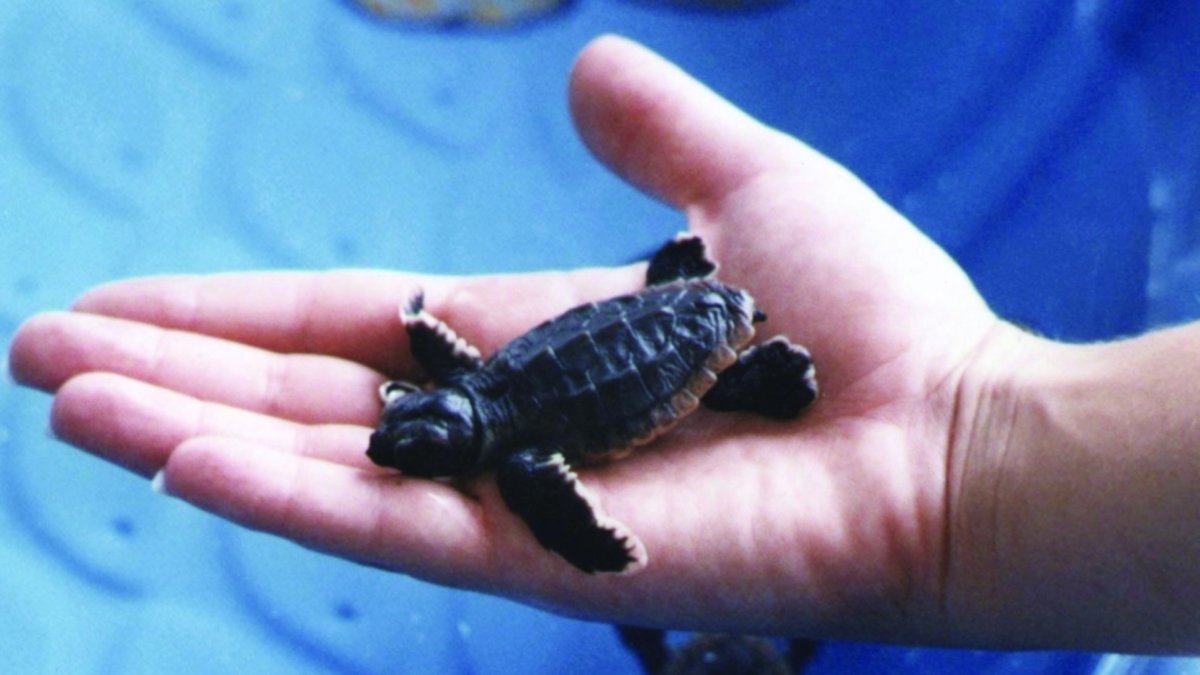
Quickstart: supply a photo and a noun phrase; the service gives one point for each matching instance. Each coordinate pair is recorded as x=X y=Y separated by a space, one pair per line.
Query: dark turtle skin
x=607 y=376
x=716 y=654
x=590 y=384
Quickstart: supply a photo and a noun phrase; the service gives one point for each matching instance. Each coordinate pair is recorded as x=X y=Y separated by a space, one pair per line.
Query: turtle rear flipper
x=543 y=491
x=775 y=379
x=435 y=346
x=681 y=258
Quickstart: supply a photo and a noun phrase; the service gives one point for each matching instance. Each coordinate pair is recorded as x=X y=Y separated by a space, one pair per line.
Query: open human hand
x=253 y=395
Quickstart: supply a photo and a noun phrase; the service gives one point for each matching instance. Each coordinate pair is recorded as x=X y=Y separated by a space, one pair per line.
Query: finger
x=750 y=190
x=51 y=348
x=350 y=314
x=419 y=527
x=667 y=133
x=136 y=425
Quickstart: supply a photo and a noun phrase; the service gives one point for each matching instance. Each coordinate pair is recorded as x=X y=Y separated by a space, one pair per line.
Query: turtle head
x=426 y=434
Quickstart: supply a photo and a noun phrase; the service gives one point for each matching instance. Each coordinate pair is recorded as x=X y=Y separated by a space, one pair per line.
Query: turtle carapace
x=592 y=383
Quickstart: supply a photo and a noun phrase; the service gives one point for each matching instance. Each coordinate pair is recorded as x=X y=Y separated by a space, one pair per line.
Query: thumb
x=668 y=134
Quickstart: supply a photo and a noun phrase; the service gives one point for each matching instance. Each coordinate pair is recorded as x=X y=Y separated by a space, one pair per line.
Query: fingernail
x=159 y=483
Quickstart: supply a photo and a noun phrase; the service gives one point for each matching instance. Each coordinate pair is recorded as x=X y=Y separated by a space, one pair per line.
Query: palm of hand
x=836 y=522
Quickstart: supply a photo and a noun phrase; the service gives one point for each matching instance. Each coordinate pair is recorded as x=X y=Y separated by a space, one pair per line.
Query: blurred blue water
x=1053 y=148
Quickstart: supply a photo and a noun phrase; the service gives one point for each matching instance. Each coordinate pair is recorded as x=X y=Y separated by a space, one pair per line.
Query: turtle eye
x=394 y=389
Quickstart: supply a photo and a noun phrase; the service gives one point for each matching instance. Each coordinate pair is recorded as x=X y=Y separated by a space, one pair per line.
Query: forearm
x=1077 y=508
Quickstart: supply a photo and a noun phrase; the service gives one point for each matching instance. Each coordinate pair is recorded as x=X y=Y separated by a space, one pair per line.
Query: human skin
x=959 y=481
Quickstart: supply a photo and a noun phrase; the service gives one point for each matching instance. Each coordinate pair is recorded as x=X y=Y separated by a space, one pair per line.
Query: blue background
x=1052 y=147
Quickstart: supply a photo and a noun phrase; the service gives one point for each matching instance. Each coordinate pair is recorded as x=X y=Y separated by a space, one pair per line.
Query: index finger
x=352 y=314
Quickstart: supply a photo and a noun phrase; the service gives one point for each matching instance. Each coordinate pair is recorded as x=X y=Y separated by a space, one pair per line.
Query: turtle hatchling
x=591 y=384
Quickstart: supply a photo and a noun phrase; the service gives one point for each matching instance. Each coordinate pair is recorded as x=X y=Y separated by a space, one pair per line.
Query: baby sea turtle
x=717 y=653
x=594 y=382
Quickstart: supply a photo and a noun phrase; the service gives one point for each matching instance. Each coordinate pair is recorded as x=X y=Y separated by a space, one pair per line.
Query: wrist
x=1073 y=499
x=978 y=563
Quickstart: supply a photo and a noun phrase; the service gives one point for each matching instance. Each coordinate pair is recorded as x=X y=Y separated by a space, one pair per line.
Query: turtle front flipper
x=775 y=379
x=435 y=345
x=681 y=258
x=565 y=518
